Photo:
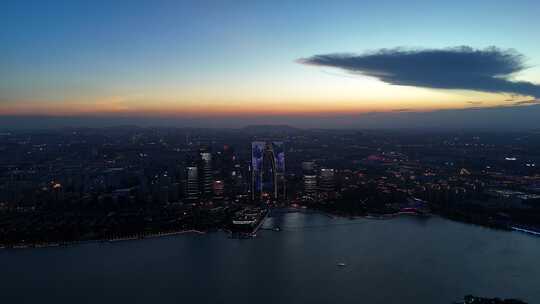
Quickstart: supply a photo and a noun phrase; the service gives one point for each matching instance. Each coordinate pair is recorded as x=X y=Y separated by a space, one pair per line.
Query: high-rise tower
x=327 y=183
x=206 y=178
x=192 y=183
x=309 y=180
x=267 y=171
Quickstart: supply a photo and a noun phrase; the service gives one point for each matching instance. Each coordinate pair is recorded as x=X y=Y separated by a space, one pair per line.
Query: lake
x=401 y=260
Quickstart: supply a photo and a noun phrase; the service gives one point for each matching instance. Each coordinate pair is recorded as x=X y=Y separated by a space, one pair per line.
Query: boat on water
x=249 y=222
x=249 y=218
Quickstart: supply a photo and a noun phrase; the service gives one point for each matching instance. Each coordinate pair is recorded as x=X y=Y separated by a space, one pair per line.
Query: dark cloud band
x=463 y=68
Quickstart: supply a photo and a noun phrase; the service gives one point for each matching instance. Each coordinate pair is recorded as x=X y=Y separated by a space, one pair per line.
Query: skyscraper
x=268 y=170
x=327 y=183
x=309 y=181
x=310 y=186
x=192 y=184
x=206 y=174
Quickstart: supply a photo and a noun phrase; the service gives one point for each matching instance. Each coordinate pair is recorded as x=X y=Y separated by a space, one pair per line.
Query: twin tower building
x=268 y=171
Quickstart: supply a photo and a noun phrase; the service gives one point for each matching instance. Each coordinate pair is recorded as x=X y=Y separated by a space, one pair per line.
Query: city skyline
x=215 y=63
x=310 y=151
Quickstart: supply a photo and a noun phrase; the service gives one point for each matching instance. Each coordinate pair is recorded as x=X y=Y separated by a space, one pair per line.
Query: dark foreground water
x=403 y=260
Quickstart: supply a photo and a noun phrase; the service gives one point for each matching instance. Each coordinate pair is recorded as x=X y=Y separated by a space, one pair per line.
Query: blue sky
x=193 y=57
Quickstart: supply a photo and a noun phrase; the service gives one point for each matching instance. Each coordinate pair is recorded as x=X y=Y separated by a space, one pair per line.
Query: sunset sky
x=235 y=58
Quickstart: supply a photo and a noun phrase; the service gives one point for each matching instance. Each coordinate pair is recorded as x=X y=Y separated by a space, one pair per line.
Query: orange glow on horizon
x=210 y=110
x=168 y=107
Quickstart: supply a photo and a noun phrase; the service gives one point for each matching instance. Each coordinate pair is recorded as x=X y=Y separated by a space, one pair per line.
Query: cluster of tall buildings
x=209 y=178
x=266 y=171
x=215 y=176
x=318 y=183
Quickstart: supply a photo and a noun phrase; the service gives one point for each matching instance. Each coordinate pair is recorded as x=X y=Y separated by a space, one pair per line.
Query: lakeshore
x=260 y=223
x=190 y=268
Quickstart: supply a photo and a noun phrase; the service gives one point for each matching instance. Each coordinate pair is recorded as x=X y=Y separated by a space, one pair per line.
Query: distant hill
x=498 y=118
x=270 y=128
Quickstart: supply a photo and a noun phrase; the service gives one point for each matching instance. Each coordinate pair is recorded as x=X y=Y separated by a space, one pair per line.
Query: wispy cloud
x=464 y=68
x=475 y=103
x=527 y=102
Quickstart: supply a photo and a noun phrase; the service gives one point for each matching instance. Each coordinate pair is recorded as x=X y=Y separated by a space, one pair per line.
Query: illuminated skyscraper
x=310 y=186
x=309 y=180
x=206 y=174
x=268 y=170
x=327 y=183
x=192 y=183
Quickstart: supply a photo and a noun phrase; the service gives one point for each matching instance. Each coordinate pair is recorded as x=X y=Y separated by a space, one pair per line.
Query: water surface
x=403 y=260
